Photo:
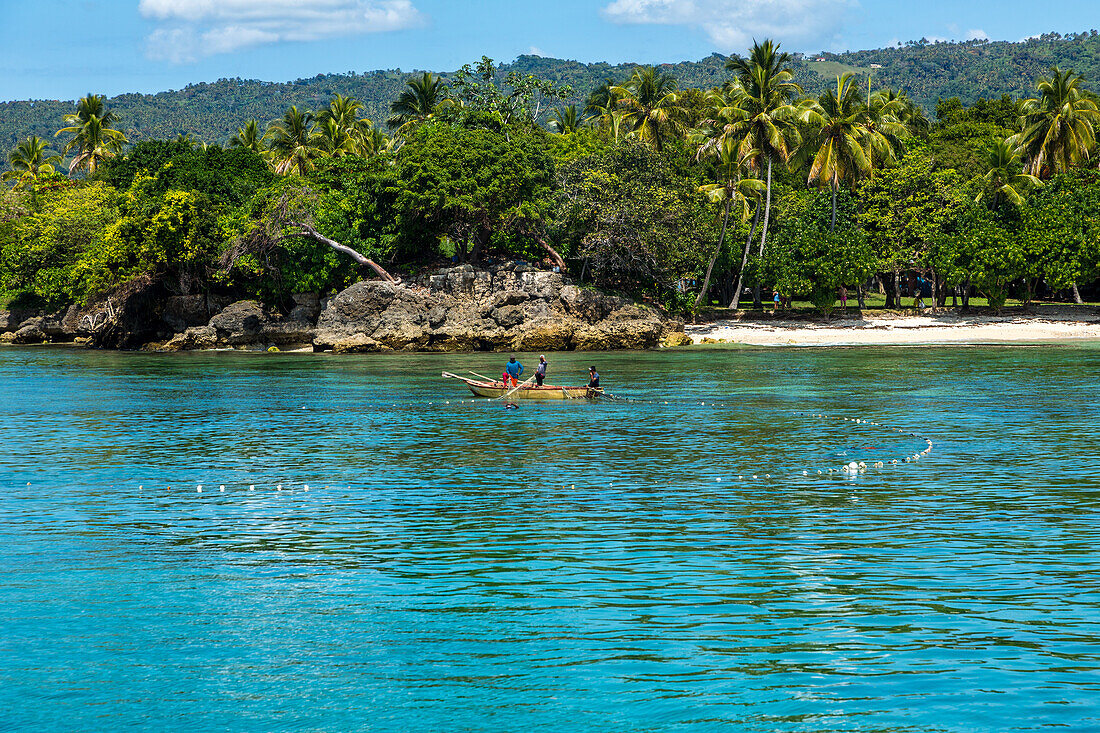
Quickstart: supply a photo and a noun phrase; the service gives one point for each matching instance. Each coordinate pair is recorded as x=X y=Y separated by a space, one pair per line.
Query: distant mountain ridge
x=927 y=71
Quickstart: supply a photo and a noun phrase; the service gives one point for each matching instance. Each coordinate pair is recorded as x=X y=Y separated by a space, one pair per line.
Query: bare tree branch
x=308 y=231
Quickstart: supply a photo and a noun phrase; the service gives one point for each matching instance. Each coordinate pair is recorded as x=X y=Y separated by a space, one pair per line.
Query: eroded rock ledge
x=505 y=308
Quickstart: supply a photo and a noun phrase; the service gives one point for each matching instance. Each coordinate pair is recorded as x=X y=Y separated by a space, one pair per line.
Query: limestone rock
x=589 y=305
x=676 y=338
x=549 y=334
x=509 y=298
x=30 y=332
x=12 y=320
x=193 y=338
x=623 y=330
x=307 y=308
x=357 y=344
x=240 y=323
x=184 y=311
x=508 y=316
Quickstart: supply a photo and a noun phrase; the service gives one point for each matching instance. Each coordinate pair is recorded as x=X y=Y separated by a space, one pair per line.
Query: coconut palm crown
x=94 y=137
x=1059 y=128
x=29 y=162
x=424 y=97
x=293 y=145
x=649 y=107
x=1006 y=177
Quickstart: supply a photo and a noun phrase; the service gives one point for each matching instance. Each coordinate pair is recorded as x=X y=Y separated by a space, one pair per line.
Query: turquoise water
x=458 y=566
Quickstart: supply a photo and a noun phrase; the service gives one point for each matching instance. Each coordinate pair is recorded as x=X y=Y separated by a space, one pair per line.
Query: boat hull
x=529 y=393
x=491 y=390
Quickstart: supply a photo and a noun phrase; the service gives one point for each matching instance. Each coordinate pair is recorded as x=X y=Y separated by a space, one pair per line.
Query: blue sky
x=57 y=49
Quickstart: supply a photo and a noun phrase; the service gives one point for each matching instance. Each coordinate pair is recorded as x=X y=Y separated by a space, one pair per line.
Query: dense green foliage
x=677 y=194
x=213 y=111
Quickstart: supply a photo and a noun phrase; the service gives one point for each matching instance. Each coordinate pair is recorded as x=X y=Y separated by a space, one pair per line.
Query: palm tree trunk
x=832 y=224
x=736 y=300
x=1076 y=294
x=717 y=251
x=767 y=209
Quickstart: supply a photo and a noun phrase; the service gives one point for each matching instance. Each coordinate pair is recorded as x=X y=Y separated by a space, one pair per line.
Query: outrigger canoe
x=489 y=388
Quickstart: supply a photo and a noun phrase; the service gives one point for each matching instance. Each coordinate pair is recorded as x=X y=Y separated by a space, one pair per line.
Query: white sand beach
x=1048 y=324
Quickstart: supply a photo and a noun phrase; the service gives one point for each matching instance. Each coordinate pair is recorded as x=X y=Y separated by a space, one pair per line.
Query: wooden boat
x=488 y=388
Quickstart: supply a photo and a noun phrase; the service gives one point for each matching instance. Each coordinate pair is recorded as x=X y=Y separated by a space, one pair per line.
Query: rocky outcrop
x=464 y=309
x=459 y=309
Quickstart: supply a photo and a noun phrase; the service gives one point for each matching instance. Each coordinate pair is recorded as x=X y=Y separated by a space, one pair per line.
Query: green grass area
x=876 y=301
x=833 y=69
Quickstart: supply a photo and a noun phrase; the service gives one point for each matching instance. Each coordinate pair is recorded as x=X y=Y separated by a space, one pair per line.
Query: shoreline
x=1049 y=324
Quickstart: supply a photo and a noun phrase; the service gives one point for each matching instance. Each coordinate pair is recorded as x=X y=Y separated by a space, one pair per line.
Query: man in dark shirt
x=540 y=371
x=593 y=378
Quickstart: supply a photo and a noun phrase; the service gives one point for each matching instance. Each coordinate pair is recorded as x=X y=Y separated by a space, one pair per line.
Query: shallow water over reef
x=659 y=563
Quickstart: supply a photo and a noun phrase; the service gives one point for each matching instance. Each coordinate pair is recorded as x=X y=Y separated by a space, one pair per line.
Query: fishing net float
x=849 y=468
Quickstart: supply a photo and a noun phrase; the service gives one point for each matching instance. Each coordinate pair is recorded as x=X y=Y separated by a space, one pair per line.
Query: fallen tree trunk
x=308 y=231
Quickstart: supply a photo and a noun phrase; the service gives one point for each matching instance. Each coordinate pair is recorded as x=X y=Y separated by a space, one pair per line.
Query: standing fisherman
x=593 y=378
x=512 y=370
x=540 y=372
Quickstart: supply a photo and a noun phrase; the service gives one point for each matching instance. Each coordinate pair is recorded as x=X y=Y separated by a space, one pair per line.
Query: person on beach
x=512 y=370
x=844 y=298
x=540 y=371
x=775 y=301
x=593 y=378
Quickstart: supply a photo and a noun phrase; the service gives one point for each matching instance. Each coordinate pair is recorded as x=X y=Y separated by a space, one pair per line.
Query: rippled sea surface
x=654 y=564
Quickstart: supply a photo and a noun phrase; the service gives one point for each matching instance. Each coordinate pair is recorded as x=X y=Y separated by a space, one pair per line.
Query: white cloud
x=191 y=29
x=733 y=24
x=976 y=34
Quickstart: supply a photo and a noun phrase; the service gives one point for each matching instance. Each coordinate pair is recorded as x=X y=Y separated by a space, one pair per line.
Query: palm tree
x=29 y=162
x=94 y=136
x=889 y=120
x=186 y=139
x=600 y=106
x=648 y=106
x=767 y=85
x=294 y=144
x=1059 y=128
x=335 y=139
x=565 y=120
x=343 y=113
x=372 y=139
x=248 y=137
x=839 y=132
x=425 y=96
x=904 y=109
x=1005 y=176
x=736 y=188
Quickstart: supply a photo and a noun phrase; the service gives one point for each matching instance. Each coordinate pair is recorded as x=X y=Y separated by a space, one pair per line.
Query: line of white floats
x=854 y=468
x=221 y=488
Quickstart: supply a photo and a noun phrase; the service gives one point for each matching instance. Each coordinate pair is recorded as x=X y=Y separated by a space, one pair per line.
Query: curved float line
x=861 y=467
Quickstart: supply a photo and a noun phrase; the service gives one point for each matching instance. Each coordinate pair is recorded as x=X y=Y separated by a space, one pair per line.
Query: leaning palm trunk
x=736 y=301
x=1076 y=294
x=717 y=251
x=764 y=233
x=767 y=210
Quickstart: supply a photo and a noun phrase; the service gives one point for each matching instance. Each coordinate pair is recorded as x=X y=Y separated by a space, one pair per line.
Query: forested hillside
x=212 y=112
